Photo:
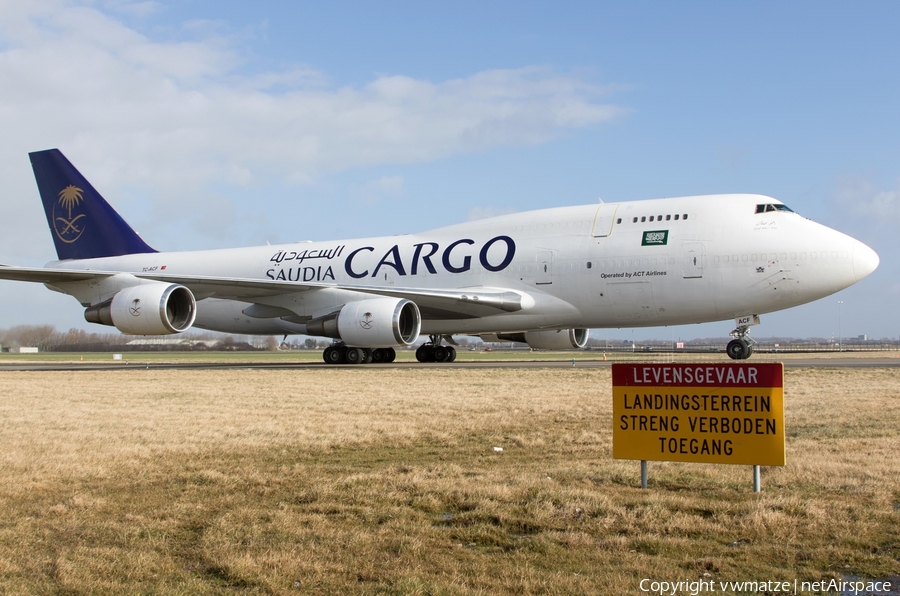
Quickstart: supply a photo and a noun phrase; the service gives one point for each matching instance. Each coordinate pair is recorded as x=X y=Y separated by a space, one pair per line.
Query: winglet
x=82 y=223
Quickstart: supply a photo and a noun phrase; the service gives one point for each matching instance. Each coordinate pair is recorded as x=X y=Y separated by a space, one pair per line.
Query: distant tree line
x=48 y=339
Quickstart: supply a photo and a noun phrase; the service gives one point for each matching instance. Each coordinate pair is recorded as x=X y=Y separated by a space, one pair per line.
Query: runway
x=136 y=364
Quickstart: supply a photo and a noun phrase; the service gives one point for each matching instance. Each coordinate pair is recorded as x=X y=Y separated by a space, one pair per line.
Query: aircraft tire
x=440 y=354
x=379 y=355
x=355 y=356
x=425 y=353
x=367 y=355
x=451 y=353
x=390 y=355
x=738 y=349
x=333 y=355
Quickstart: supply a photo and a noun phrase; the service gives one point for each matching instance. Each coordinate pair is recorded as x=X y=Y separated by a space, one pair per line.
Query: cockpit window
x=773 y=207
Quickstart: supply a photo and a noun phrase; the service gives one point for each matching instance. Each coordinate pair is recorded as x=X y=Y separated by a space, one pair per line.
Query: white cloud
x=137 y=9
x=865 y=199
x=883 y=205
x=386 y=187
x=173 y=117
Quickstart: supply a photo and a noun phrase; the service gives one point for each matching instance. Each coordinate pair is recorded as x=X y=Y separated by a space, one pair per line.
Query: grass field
x=386 y=481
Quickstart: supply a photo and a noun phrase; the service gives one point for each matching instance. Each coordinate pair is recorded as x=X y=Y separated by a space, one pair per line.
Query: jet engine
x=374 y=323
x=147 y=309
x=553 y=339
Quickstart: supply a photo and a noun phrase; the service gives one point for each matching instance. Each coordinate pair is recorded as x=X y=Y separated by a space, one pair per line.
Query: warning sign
x=729 y=413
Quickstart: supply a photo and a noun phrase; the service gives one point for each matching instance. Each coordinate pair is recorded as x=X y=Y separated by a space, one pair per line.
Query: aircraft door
x=693 y=253
x=603 y=220
x=544 y=268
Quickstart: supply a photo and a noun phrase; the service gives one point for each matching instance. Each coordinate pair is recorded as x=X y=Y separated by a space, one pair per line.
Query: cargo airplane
x=539 y=277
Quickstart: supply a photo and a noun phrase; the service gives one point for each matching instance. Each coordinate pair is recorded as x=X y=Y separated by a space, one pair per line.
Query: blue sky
x=213 y=124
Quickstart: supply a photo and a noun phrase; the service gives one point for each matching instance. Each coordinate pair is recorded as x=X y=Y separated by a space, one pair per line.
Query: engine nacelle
x=560 y=339
x=375 y=323
x=552 y=339
x=147 y=309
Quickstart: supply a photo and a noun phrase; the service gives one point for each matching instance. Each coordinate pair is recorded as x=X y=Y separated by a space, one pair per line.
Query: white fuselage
x=645 y=263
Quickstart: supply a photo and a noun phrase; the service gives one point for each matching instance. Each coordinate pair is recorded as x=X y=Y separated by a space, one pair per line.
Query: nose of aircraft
x=865 y=260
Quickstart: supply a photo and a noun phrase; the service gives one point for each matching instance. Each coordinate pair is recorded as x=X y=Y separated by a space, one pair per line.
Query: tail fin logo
x=69 y=229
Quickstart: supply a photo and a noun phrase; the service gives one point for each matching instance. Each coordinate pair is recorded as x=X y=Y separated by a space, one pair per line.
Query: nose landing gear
x=741 y=347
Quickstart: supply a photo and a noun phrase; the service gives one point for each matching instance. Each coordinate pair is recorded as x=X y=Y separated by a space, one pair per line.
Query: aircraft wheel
x=379 y=355
x=425 y=353
x=738 y=349
x=451 y=353
x=391 y=354
x=367 y=355
x=333 y=355
x=440 y=354
x=355 y=356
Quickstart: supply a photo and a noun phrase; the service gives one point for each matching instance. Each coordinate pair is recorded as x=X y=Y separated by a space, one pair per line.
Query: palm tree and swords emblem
x=69 y=198
x=366 y=322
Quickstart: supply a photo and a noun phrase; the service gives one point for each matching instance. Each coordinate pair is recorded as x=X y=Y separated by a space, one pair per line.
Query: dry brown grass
x=386 y=481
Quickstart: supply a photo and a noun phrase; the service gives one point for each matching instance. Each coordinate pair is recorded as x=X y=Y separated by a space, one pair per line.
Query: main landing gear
x=741 y=347
x=433 y=351
x=341 y=354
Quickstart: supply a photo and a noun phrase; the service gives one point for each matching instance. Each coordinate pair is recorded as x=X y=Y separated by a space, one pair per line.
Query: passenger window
x=643 y=219
x=676 y=217
x=634 y=220
x=668 y=217
x=618 y=221
x=651 y=218
x=684 y=216
x=659 y=218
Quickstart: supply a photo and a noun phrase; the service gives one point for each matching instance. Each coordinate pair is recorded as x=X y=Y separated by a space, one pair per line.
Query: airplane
x=540 y=277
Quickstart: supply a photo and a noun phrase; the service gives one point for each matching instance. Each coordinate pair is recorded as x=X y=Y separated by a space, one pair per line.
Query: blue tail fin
x=84 y=226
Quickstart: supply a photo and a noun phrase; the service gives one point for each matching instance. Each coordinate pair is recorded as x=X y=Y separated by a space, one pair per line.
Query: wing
x=434 y=303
